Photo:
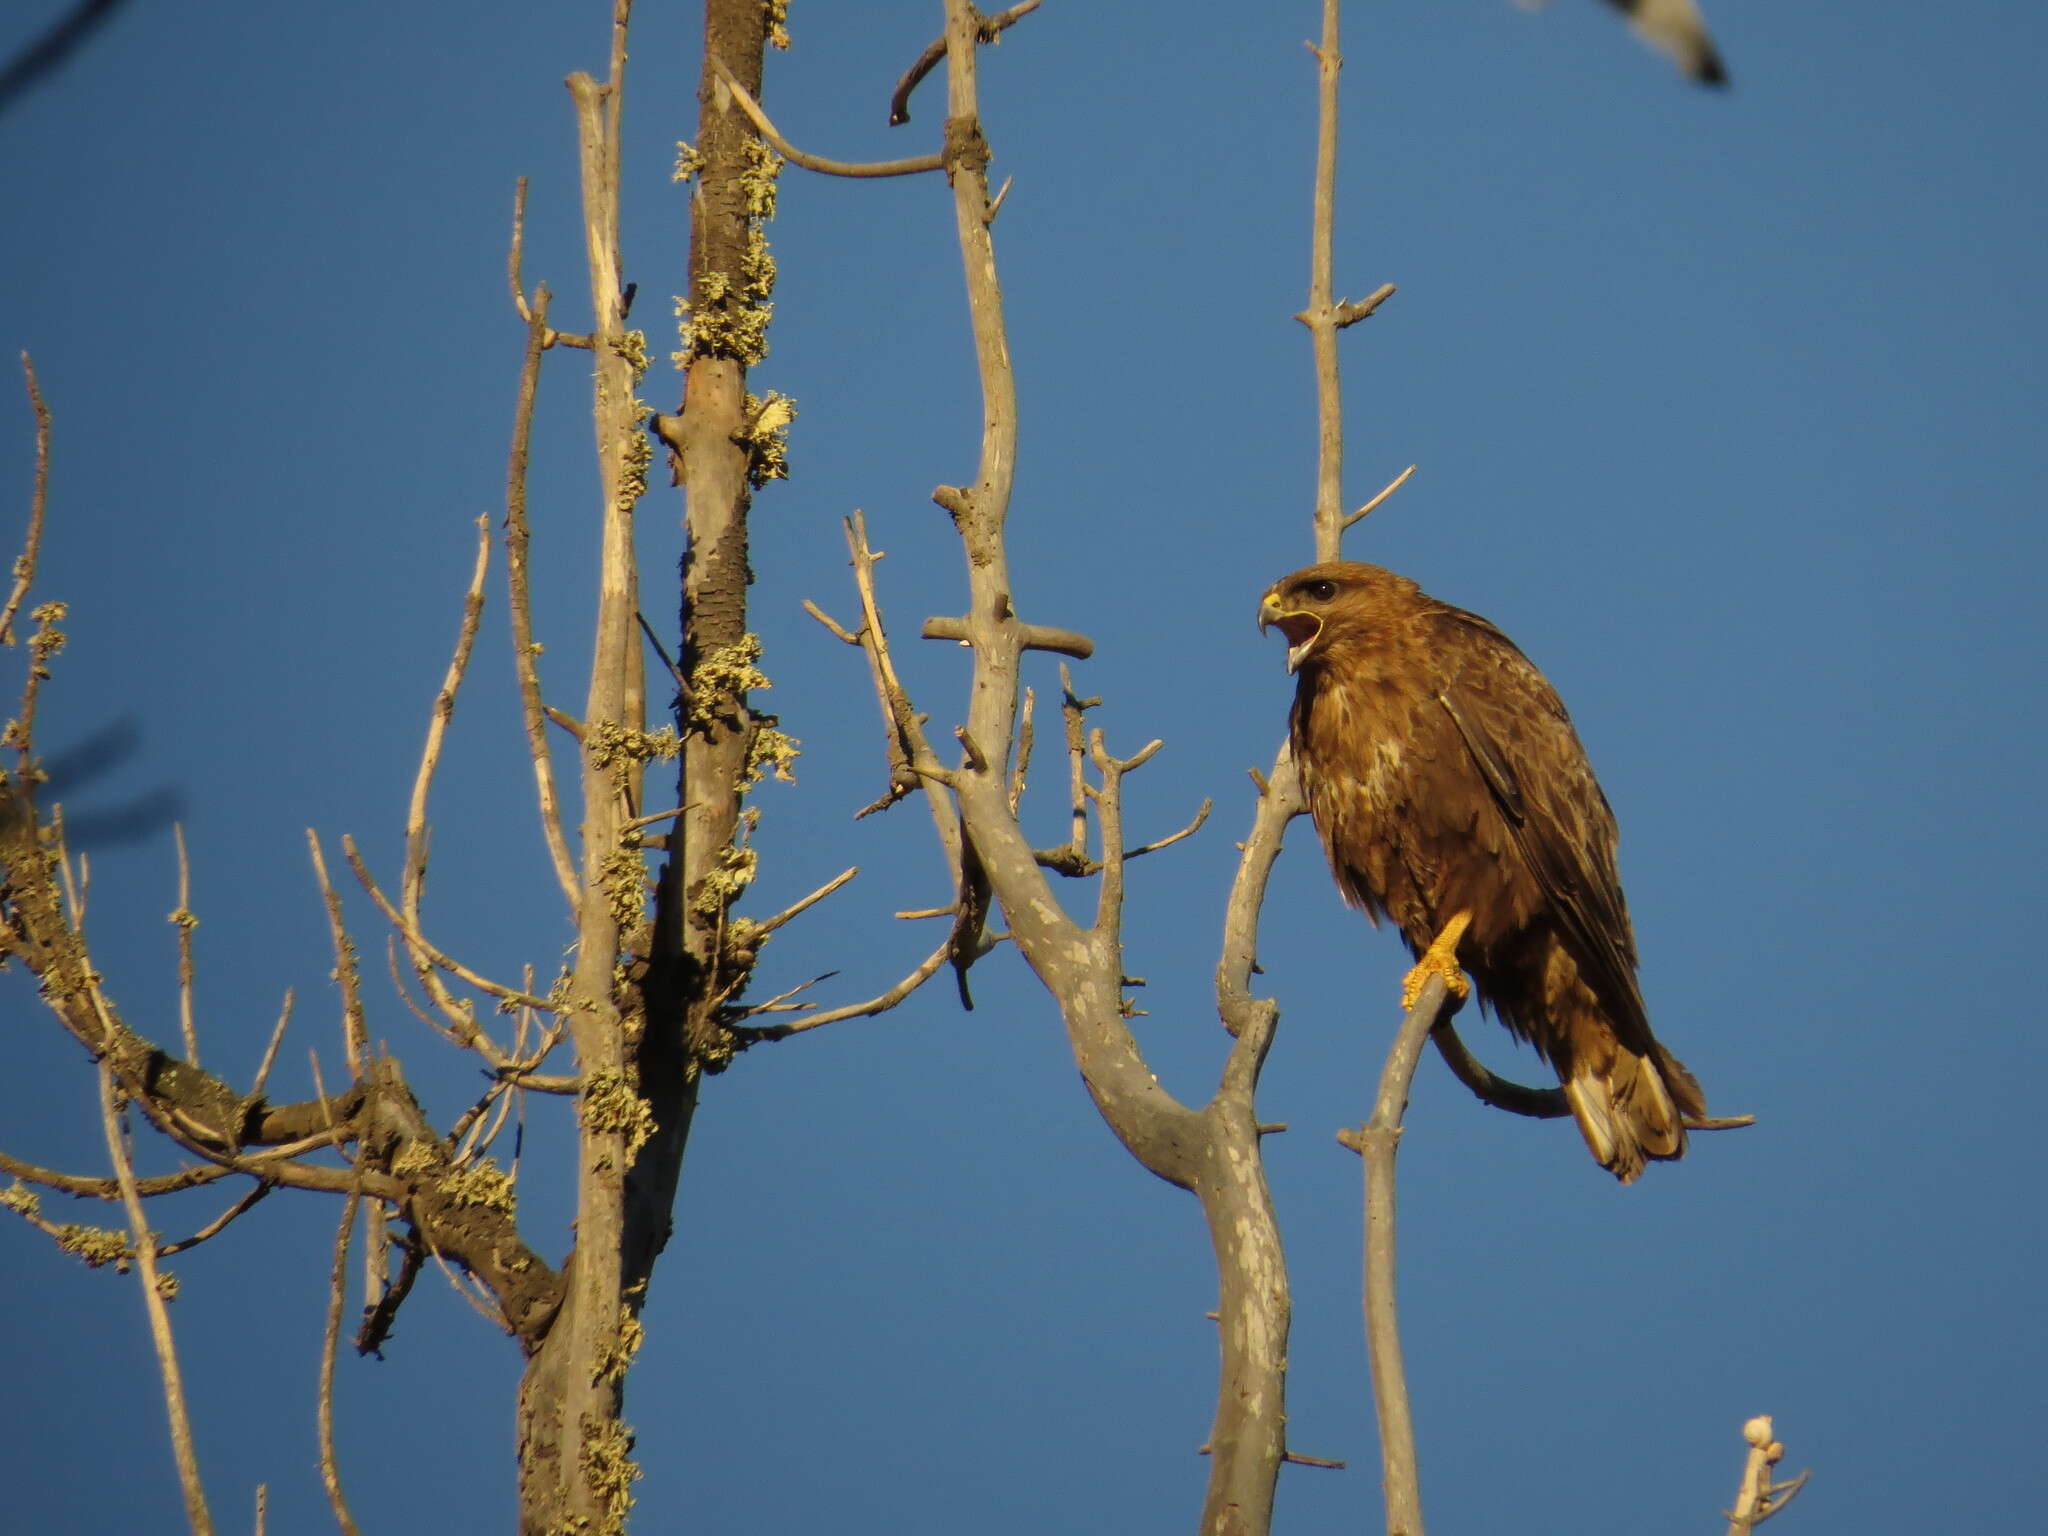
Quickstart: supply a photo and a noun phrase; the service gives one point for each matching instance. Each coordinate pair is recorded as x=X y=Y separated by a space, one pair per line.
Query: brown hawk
x=1446 y=780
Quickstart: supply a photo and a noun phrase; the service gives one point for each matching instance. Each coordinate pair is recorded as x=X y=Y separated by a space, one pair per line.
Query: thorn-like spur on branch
x=1758 y=1498
x=1315 y=1461
x=1374 y=505
x=1351 y=311
x=991 y=27
x=1036 y=637
x=995 y=206
x=818 y=163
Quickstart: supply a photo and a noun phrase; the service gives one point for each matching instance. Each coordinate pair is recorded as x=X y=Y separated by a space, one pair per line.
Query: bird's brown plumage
x=1444 y=776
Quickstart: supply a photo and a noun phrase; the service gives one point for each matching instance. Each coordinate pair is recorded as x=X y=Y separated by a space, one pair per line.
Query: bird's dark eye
x=1321 y=591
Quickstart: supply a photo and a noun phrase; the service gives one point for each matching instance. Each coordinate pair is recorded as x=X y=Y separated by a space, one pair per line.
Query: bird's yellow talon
x=1440 y=959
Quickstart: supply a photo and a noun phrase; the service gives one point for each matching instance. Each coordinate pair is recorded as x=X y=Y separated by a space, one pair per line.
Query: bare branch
x=413 y=877
x=185 y=922
x=829 y=622
x=284 y=1017
x=1374 y=505
x=1321 y=315
x=1351 y=311
x=1193 y=826
x=355 y=1030
x=219 y=1224
x=153 y=1283
x=1500 y=1092
x=453 y=967
x=39 y=500
x=797 y=909
x=879 y=1004
x=516 y=260
x=1034 y=637
x=518 y=588
x=86 y=1186
x=1378 y=1141
x=330 y=1469
x=819 y=163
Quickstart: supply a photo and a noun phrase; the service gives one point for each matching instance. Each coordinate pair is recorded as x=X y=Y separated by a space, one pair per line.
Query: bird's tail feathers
x=1631 y=1108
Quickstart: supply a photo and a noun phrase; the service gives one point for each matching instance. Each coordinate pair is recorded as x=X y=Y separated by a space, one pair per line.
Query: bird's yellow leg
x=1440 y=959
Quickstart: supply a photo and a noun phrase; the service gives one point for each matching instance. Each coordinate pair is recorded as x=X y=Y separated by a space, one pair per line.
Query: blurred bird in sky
x=1674 y=26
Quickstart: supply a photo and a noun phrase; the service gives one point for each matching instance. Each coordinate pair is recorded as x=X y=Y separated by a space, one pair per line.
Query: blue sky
x=1727 y=407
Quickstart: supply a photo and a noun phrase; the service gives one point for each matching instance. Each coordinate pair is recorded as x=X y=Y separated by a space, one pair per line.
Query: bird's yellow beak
x=1300 y=628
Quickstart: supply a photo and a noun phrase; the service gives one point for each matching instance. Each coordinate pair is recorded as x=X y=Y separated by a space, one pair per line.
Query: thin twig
x=780 y=1002
x=518 y=587
x=284 y=1017
x=829 y=622
x=798 y=908
x=515 y=262
x=330 y=1469
x=878 y=1004
x=1320 y=316
x=413 y=878
x=39 y=500
x=1372 y=506
x=144 y=1243
x=453 y=967
x=219 y=1223
x=355 y=1031
x=819 y=163
x=1170 y=839
x=90 y=1187
x=185 y=922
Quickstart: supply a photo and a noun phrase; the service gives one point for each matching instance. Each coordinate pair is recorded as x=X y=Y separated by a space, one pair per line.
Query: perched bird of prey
x=1676 y=27
x=1447 y=782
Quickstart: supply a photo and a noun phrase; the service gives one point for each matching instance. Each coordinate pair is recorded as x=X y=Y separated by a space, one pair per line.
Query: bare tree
x=654 y=996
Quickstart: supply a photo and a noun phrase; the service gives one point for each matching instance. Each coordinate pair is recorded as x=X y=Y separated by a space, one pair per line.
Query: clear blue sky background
x=1728 y=408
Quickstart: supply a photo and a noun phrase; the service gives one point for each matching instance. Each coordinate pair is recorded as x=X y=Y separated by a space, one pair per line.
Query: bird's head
x=1301 y=606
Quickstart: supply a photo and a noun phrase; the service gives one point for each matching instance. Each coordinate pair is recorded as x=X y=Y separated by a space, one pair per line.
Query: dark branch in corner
x=991 y=27
x=47 y=54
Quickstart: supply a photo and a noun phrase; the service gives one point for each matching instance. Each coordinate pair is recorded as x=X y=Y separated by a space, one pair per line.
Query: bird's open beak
x=1299 y=627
